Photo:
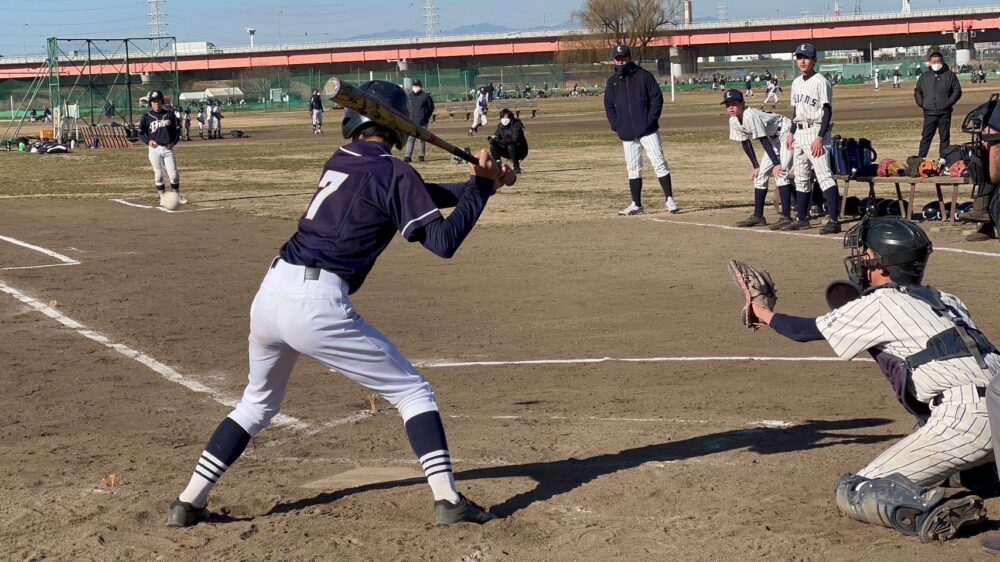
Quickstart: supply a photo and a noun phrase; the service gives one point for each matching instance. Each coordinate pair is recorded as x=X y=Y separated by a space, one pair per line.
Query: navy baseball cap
x=621 y=51
x=416 y=82
x=155 y=95
x=807 y=49
x=732 y=96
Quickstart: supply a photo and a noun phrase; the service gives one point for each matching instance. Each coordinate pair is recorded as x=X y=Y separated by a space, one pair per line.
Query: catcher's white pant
x=654 y=150
x=955 y=437
x=806 y=164
x=162 y=159
x=479 y=117
x=294 y=313
x=317 y=117
x=766 y=165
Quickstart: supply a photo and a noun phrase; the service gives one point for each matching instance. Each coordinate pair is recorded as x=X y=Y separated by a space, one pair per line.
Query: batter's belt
x=959 y=395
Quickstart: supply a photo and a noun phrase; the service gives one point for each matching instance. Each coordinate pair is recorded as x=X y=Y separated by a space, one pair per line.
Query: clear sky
x=25 y=24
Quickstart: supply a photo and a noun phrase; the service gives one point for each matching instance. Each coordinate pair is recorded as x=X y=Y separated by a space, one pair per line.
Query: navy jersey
x=316 y=103
x=160 y=126
x=364 y=197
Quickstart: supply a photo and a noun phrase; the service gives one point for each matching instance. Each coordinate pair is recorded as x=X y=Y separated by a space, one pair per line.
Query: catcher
x=938 y=363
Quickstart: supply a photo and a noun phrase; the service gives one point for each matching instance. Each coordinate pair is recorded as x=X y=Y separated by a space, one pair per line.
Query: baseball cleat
x=182 y=200
x=465 y=511
x=831 y=227
x=753 y=220
x=183 y=514
x=782 y=221
x=407 y=159
x=631 y=210
x=672 y=205
x=947 y=518
x=797 y=225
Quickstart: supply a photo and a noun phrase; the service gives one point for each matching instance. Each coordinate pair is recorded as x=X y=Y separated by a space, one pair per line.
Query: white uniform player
x=772 y=93
x=812 y=110
x=479 y=115
x=939 y=365
x=771 y=130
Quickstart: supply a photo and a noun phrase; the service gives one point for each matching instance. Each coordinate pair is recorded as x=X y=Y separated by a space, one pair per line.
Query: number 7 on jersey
x=329 y=183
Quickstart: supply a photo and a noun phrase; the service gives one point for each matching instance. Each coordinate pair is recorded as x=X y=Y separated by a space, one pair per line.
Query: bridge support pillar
x=965 y=49
x=683 y=60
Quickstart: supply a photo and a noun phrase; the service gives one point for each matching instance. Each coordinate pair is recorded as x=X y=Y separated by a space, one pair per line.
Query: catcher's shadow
x=558 y=477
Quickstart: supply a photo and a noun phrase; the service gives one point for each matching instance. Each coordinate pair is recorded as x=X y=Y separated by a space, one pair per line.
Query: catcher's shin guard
x=899 y=503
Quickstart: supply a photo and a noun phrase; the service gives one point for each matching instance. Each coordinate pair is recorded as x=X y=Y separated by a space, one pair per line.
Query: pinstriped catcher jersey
x=901 y=324
x=757 y=124
x=809 y=96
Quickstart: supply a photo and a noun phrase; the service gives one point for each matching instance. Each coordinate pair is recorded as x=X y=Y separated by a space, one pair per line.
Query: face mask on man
x=416 y=89
x=936 y=67
x=505 y=121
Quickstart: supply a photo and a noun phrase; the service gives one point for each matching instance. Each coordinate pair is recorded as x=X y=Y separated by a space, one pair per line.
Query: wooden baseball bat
x=353 y=98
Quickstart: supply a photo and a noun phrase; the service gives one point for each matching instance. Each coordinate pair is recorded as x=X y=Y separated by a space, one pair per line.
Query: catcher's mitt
x=889 y=168
x=757 y=287
x=958 y=169
x=928 y=168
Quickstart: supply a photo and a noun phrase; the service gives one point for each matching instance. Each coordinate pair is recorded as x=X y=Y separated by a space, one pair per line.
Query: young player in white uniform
x=479 y=115
x=772 y=93
x=771 y=130
x=938 y=363
x=812 y=110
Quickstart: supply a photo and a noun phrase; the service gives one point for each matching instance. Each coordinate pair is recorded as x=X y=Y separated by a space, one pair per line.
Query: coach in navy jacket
x=633 y=102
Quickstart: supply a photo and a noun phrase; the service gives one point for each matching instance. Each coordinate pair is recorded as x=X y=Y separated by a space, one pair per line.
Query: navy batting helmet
x=898 y=245
x=389 y=94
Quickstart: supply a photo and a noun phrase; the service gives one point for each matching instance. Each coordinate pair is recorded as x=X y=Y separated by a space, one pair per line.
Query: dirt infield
x=598 y=390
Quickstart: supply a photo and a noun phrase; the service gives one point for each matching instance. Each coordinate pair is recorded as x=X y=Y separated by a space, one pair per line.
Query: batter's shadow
x=558 y=477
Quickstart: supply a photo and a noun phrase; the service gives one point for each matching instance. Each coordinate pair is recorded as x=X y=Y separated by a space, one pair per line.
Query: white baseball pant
x=295 y=313
x=654 y=150
x=773 y=95
x=162 y=159
x=317 y=117
x=766 y=165
x=478 y=117
x=956 y=437
x=806 y=164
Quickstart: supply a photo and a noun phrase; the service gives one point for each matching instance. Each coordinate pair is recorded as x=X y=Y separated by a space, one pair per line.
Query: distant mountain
x=472 y=29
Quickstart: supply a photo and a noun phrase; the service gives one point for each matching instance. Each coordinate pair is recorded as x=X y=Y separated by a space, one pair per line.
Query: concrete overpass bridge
x=686 y=42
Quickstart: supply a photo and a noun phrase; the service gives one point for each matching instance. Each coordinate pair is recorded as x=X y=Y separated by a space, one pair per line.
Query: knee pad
x=894 y=501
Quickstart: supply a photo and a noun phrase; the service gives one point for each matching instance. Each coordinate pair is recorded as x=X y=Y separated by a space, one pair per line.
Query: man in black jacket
x=421 y=110
x=633 y=102
x=936 y=93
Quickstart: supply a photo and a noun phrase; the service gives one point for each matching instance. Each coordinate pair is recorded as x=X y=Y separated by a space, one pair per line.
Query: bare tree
x=630 y=22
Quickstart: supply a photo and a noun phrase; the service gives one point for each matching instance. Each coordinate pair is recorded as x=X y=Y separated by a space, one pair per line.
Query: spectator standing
x=421 y=111
x=936 y=94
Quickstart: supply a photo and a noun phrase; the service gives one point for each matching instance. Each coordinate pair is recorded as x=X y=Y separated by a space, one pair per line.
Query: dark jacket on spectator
x=421 y=107
x=938 y=92
x=633 y=102
x=512 y=136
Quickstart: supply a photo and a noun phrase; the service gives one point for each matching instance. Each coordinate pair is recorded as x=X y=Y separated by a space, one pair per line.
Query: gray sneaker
x=631 y=210
x=183 y=514
x=465 y=511
x=946 y=519
x=753 y=220
x=797 y=225
x=782 y=222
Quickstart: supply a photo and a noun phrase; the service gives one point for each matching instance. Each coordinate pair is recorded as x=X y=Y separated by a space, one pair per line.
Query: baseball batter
x=160 y=130
x=771 y=130
x=364 y=197
x=812 y=110
x=633 y=103
x=316 y=108
x=939 y=365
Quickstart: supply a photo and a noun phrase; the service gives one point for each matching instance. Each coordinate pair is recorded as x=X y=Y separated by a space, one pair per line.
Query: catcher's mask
x=388 y=93
x=975 y=154
x=899 y=245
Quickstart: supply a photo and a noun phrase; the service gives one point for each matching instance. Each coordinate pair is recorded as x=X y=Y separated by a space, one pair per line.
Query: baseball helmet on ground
x=852 y=206
x=386 y=92
x=900 y=246
x=931 y=211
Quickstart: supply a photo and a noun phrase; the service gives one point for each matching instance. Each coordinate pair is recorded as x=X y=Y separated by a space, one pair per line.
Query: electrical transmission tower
x=721 y=11
x=430 y=19
x=857 y=7
x=157 y=21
